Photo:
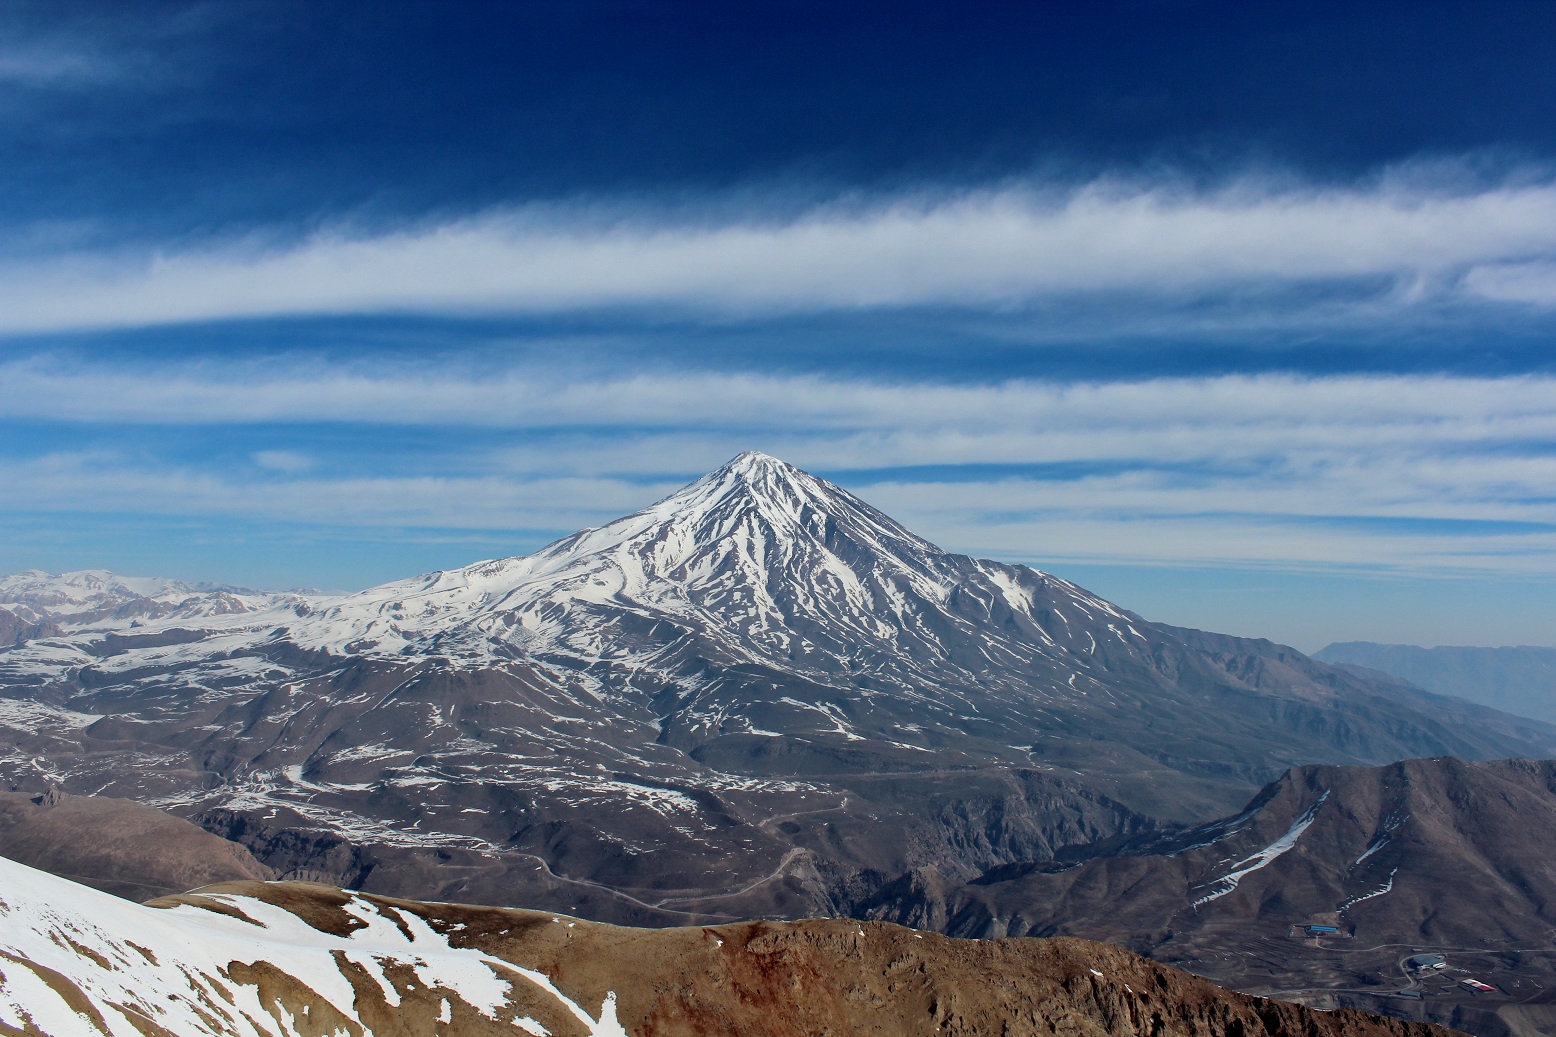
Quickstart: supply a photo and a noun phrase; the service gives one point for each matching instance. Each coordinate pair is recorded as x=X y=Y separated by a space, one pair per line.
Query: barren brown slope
x=1435 y=856
x=117 y=845
x=788 y=979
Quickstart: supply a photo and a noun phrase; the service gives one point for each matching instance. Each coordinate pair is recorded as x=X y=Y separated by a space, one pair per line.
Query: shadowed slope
x=118 y=845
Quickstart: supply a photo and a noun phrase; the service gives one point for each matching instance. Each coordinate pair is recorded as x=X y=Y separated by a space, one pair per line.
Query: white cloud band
x=1424 y=473
x=989 y=248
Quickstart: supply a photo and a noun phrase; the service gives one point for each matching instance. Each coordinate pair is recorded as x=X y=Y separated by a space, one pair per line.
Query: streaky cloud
x=1427 y=473
x=1533 y=282
x=986 y=249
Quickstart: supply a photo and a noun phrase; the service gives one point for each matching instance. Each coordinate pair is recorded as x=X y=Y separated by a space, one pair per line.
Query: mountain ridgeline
x=758 y=697
x=279 y=960
x=1516 y=679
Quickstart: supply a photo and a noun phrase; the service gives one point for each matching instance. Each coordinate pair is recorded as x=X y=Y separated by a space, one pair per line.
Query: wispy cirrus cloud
x=1334 y=409
x=1533 y=282
x=52 y=66
x=984 y=248
x=1371 y=519
x=1425 y=473
x=121 y=47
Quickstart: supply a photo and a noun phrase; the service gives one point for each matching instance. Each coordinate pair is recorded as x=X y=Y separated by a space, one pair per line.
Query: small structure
x=1422 y=962
x=1477 y=986
x=1322 y=930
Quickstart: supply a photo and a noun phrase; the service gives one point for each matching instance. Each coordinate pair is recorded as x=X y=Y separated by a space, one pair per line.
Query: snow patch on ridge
x=1385 y=836
x=171 y=966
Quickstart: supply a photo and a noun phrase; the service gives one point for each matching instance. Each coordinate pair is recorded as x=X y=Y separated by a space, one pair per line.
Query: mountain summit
x=755 y=563
x=760 y=680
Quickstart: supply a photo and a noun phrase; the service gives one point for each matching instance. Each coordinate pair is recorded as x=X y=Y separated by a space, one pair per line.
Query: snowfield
x=74 y=962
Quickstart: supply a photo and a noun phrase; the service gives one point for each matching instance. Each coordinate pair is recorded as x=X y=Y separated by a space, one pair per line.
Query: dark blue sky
x=1178 y=297
x=196 y=119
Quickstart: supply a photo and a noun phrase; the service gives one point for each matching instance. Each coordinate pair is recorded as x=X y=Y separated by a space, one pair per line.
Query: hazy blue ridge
x=1520 y=680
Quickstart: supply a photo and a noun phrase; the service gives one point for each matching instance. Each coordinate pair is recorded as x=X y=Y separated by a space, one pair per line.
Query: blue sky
x=1240 y=314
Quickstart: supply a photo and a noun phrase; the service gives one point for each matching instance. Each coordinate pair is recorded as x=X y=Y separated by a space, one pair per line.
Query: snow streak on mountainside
x=759 y=673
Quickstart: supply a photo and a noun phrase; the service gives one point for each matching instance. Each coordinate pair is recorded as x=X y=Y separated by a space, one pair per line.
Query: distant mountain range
x=258 y=960
x=758 y=696
x=1520 y=680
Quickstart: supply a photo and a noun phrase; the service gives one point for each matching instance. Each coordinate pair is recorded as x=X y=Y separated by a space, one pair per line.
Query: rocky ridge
x=1420 y=856
x=267 y=960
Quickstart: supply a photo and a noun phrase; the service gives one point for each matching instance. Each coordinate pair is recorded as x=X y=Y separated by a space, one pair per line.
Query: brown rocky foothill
x=838 y=977
x=117 y=845
x=835 y=977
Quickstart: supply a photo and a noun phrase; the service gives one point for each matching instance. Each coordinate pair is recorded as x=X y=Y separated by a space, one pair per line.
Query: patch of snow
x=1387 y=887
x=132 y=963
x=1227 y=883
x=32 y=717
x=1391 y=825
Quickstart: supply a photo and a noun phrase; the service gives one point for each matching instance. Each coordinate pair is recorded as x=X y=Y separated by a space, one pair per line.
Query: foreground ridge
x=281 y=959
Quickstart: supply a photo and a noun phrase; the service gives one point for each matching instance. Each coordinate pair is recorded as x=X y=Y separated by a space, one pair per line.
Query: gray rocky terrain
x=1418 y=857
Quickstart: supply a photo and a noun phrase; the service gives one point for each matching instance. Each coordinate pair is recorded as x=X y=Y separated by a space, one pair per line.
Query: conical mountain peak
x=755 y=460
x=761 y=474
x=758 y=557
x=756 y=494
x=757 y=554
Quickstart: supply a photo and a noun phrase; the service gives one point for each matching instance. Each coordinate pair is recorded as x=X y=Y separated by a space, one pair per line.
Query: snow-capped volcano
x=737 y=675
x=758 y=562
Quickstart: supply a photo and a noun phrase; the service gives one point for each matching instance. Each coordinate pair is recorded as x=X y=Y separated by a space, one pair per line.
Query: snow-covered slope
x=759 y=561
x=74 y=962
x=96 y=597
